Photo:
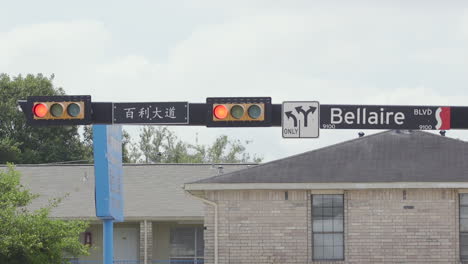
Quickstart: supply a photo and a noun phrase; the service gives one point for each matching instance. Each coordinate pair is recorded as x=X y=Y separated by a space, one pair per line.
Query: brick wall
x=258 y=227
x=263 y=227
x=380 y=229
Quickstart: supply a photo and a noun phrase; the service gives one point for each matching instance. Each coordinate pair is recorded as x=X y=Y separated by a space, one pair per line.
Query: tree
x=161 y=145
x=32 y=237
x=225 y=150
x=20 y=143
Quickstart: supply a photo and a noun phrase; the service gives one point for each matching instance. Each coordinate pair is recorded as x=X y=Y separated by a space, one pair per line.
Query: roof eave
x=324 y=186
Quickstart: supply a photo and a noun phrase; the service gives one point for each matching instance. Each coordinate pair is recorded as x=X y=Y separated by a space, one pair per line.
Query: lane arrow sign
x=289 y=114
x=305 y=113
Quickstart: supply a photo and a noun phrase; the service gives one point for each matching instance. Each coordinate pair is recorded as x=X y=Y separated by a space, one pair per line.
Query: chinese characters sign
x=151 y=113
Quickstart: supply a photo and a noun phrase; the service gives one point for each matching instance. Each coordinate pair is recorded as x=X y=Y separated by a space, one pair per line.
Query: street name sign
x=108 y=171
x=386 y=117
x=300 y=119
x=158 y=113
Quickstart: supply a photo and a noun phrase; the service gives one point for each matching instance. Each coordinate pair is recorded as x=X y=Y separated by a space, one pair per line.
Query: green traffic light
x=56 y=110
x=254 y=111
x=73 y=109
x=237 y=111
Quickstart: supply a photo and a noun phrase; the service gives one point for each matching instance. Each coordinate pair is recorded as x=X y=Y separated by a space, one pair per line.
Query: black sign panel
x=162 y=113
x=389 y=117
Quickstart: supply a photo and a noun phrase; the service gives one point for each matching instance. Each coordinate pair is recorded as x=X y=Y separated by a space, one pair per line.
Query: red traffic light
x=220 y=111
x=40 y=110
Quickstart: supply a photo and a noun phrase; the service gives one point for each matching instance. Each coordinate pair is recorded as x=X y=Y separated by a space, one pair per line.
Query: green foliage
x=161 y=145
x=24 y=144
x=32 y=237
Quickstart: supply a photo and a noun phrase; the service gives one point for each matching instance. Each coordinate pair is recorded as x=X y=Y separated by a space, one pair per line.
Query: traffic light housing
x=238 y=111
x=58 y=110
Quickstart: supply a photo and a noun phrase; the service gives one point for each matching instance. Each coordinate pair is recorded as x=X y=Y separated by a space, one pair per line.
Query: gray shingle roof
x=391 y=156
x=150 y=191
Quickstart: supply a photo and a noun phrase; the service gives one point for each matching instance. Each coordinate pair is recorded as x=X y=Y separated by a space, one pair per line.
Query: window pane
x=200 y=243
x=328 y=252
x=317 y=225
x=337 y=200
x=464 y=212
x=338 y=211
x=327 y=201
x=182 y=242
x=327 y=212
x=328 y=240
x=464 y=225
x=338 y=225
x=328 y=225
x=318 y=252
x=464 y=239
x=317 y=200
x=318 y=240
x=317 y=211
x=338 y=252
x=464 y=245
x=464 y=199
x=337 y=239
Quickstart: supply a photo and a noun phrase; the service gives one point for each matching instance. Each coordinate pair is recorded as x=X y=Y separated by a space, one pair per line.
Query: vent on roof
x=220 y=169
x=404 y=131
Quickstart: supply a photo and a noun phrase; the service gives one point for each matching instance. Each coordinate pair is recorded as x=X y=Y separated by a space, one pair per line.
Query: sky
x=334 y=52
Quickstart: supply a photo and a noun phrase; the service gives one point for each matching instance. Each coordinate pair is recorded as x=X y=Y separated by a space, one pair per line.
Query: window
x=464 y=226
x=187 y=245
x=327 y=227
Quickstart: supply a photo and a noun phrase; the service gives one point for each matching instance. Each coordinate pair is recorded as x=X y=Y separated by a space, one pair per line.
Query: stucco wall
x=264 y=227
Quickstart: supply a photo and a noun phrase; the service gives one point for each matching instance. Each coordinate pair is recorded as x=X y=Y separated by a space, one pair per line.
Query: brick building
x=392 y=197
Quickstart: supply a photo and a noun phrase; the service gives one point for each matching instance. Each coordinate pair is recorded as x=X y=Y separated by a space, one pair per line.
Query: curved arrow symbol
x=289 y=114
x=306 y=113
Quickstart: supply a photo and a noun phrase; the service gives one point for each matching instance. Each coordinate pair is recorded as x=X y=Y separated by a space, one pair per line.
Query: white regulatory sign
x=300 y=119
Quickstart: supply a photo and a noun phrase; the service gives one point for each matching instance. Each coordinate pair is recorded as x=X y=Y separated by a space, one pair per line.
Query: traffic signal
x=238 y=111
x=58 y=110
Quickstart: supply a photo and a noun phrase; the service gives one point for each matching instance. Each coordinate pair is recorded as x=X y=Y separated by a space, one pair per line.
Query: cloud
x=66 y=49
x=333 y=55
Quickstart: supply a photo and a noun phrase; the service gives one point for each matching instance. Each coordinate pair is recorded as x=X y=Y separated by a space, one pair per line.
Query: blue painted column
x=108 y=172
x=108 y=254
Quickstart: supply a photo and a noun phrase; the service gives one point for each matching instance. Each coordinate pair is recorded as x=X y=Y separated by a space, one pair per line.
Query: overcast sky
x=393 y=52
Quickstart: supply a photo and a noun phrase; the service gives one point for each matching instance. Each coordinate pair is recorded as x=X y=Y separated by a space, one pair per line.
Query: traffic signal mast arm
x=238 y=112
x=337 y=116
x=102 y=114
